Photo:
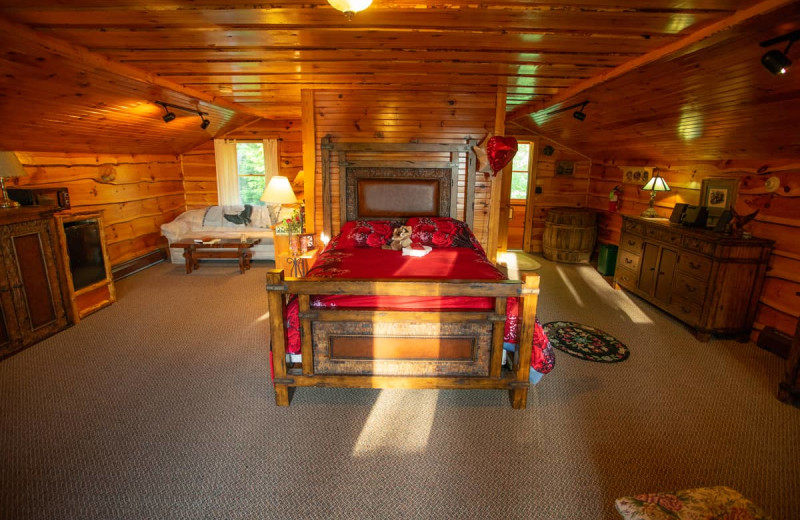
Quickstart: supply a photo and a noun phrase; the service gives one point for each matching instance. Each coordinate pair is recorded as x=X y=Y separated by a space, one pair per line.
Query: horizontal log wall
x=137 y=194
x=403 y=117
x=778 y=219
x=556 y=190
x=199 y=165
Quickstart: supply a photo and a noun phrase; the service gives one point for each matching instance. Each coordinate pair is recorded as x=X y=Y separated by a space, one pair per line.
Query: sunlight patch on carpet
x=623 y=301
x=570 y=286
x=400 y=422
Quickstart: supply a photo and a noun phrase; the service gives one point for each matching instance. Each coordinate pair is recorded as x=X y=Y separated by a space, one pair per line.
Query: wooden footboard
x=401 y=349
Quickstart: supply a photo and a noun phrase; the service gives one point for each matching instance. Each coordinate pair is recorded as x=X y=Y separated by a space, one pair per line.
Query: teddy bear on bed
x=401 y=237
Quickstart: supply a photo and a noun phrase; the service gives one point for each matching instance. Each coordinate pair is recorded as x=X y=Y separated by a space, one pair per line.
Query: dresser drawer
x=625 y=277
x=690 y=289
x=632 y=243
x=629 y=260
x=633 y=226
x=669 y=236
x=694 y=265
x=686 y=311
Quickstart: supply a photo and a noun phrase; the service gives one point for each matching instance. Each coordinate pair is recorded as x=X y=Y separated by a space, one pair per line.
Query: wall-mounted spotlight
x=169 y=116
x=775 y=61
x=579 y=114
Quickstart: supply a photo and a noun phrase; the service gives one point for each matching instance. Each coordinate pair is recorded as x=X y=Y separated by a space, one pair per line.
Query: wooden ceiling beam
x=671 y=48
x=85 y=57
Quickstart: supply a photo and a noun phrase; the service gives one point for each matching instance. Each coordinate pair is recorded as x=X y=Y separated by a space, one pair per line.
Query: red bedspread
x=441 y=263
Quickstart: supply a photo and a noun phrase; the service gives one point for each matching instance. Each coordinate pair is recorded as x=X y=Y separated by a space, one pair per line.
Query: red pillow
x=364 y=233
x=440 y=232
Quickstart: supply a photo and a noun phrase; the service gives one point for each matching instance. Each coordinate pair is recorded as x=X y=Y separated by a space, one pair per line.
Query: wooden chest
x=708 y=280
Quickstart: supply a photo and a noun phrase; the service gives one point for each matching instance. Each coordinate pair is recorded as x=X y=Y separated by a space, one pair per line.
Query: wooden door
x=523 y=181
x=668 y=259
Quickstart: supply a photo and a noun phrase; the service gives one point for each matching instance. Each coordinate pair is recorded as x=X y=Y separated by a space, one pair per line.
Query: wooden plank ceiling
x=239 y=60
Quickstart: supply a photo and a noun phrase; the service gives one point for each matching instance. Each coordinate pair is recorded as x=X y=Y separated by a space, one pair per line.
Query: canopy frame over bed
x=359 y=348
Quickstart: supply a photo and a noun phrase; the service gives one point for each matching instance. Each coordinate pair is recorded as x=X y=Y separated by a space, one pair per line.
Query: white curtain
x=271 y=166
x=227 y=172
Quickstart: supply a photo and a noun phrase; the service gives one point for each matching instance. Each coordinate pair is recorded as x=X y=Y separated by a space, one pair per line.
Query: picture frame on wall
x=636 y=174
x=565 y=168
x=718 y=193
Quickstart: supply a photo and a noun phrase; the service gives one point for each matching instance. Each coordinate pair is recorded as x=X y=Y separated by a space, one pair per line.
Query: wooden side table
x=222 y=248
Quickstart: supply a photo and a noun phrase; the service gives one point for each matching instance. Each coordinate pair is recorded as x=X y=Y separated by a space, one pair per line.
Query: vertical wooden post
x=325 y=158
x=497 y=182
x=309 y=158
x=277 y=310
x=498 y=328
x=306 y=349
x=527 y=315
x=469 y=189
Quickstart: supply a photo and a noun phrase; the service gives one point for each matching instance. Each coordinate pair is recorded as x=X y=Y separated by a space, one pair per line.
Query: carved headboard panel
x=394 y=189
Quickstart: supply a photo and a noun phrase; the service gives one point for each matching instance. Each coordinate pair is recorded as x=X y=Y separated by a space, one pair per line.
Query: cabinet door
x=647 y=275
x=666 y=270
x=37 y=294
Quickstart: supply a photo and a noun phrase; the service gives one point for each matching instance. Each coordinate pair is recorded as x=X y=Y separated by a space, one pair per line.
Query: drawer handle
x=628 y=261
x=690 y=288
x=694 y=265
x=652 y=268
x=631 y=242
x=685 y=310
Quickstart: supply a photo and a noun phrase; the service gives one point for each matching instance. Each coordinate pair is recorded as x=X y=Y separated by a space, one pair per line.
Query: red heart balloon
x=500 y=151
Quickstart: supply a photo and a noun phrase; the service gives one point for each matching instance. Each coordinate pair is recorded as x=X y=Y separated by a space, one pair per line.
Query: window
x=250 y=167
x=519 y=172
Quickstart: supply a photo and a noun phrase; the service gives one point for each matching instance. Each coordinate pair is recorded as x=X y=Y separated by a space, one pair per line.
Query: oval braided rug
x=585 y=342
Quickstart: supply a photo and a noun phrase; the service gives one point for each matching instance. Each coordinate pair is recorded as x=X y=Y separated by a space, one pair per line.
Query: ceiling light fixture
x=775 y=61
x=579 y=114
x=170 y=116
x=350 y=7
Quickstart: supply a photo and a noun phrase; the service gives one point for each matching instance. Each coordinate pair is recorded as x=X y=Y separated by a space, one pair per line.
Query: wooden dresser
x=32 y=282
x=708 y=280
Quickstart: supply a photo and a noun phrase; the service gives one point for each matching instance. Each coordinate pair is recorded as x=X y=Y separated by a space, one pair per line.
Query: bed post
x=528 y=301
x=277 y=310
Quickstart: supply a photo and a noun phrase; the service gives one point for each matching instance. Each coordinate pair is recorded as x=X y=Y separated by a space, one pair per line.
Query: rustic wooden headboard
x=395 y=181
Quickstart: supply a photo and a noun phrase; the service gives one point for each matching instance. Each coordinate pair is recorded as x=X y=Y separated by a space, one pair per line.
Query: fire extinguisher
x=613 y=199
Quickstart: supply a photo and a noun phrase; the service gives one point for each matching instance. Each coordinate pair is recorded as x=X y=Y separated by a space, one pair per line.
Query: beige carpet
x=160 y=406
x=518 y=262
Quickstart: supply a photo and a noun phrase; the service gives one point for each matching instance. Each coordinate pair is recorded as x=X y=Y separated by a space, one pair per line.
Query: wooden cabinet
x=88 y=272
x=31 y=280
x=708 y=280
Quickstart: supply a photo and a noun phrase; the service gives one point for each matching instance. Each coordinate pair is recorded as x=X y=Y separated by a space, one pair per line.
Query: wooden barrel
x=569 y=235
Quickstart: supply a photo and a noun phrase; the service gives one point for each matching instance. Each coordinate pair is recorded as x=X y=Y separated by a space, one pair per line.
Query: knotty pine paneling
x=403 y=117
x=556 y=191
x=200 y=169
x=778 y=219
x=136 y=194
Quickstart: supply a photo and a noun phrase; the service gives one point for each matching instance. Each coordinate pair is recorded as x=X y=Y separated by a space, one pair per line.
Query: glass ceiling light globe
x=350 y=7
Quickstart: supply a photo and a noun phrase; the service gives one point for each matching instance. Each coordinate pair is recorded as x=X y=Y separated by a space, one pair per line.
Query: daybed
x=210 y=222
x=355 y=323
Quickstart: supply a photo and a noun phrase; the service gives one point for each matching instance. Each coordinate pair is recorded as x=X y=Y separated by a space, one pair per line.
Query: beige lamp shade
x=10 y=165
x=656 y=183
x=278 y=191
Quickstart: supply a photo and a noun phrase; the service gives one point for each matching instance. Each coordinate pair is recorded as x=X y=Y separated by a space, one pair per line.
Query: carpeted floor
x=160 y=406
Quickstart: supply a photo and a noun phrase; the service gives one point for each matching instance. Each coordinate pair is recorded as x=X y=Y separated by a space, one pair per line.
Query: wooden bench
x=217 y=248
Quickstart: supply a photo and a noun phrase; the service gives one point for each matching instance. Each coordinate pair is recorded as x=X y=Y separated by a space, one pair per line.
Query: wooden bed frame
x=400 y=349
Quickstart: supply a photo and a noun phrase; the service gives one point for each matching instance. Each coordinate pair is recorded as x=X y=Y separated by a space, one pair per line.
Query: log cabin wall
x=402 y=117
x=137 y=194
x=778 y=219
x=199 y=164
x=556 y=190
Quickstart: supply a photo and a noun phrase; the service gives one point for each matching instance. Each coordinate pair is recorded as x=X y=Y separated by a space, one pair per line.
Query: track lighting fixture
x=203 y=121
x=170 y=116
x=775 y=61
x=579 y=114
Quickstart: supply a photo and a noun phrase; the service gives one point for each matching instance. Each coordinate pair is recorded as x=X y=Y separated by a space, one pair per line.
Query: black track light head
x=776 y=62
x=169 y=116
x=579 y=114
x=205 y=123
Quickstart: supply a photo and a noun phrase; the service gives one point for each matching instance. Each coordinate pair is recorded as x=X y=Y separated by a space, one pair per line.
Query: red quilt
x=440 y=263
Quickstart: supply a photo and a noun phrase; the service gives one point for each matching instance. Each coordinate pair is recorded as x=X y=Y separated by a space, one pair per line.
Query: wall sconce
x=775 y=61
x=350 y=7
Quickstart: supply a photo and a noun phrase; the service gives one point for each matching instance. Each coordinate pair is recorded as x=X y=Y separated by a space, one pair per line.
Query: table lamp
x=277 y=193
x=9 y=167
x=656 y=183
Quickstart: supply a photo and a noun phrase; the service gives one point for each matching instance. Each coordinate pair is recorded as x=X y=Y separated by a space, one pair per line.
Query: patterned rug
x=585 y=342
